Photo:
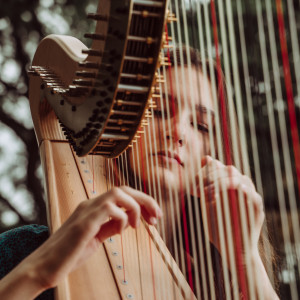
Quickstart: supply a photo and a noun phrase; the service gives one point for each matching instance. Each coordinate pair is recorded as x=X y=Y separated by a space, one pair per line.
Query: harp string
x=136 y=187
x=241 y=213
x=220 y=211
x=182 y=198
x=212 y=145
x=289 y=89
x=191 y=223
x=152 y=170
x=153 y=183
x=243 y=145
x=284 y=134
x=150 y=193
x=234 y=142
x=228 y=225
x=294 y=43
x=166 y=112
x=226 y=209
x=176 y=230
x=134 y=174
x=139 y=167
x=148 y=185
x=197 y=162
x=253 y=138
x=124 y=182
x=274 y=142
x=93 y=175
x=232 y=197
x=169 y=195
x=142 y=149
x=155 y=168
x=199 y=166
x=156 y=181
x=183 y=86
x=118 y=182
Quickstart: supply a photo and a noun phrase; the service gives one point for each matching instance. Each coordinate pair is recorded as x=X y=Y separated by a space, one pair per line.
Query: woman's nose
x=177 y=134
x=176 y=140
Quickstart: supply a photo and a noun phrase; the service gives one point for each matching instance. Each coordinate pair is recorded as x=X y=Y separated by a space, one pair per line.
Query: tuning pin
x=83 y=82
x=171 y=18
x=148 y=40
x=92 y=52
x=95 y=36
x=155 y=95
x=77 y=91
x=155 y=89
x=98 y=17
x=159 y=76
x=86 y=74
x=148 y=60
x=160 y=80
x=164 y=63
x=32 y=72
x=89 y=64
x=146 y=14
x=168 y=46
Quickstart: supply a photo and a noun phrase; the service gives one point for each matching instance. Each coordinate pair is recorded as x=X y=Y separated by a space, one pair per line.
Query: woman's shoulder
x=17 y=243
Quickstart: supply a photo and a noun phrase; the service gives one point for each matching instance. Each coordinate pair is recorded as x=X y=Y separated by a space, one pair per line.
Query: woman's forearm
x=262 y=280
x=77 y=239
x=21 y=283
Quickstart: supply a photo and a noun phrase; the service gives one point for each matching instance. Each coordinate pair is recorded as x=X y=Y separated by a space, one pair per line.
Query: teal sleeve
x=18 y=243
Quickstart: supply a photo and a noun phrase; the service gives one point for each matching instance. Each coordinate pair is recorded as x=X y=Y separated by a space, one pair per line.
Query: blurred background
x=23 y=23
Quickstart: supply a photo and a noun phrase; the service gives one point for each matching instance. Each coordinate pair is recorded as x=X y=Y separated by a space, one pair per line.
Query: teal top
x=18 y=243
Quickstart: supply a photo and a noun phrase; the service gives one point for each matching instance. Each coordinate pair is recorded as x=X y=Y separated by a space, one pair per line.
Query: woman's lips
x=171 y=156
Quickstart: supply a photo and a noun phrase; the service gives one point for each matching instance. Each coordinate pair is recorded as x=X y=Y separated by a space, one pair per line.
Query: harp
x=90 y=105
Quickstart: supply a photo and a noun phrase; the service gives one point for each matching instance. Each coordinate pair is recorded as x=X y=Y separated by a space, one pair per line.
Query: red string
x=93 y=170
x=145 y=191
x=182 y=200
x=232 y=194
x=123 y=262
x=289 y=89
x=117 y=184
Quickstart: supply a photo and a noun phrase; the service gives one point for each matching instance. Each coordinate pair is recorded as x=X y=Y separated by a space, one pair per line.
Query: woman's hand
x=225 y=183
x=91 y=223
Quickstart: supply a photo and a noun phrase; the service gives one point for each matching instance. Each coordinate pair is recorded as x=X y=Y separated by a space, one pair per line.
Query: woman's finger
x=109 y=229
x=123 y=199
x=117 y=223
x=150 y=208
x=217 y=172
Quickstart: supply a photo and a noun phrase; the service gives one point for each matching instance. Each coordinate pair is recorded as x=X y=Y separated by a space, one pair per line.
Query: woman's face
x=181 y=131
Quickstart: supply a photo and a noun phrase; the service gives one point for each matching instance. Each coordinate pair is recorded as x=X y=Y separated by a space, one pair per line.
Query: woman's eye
x=201 y=127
